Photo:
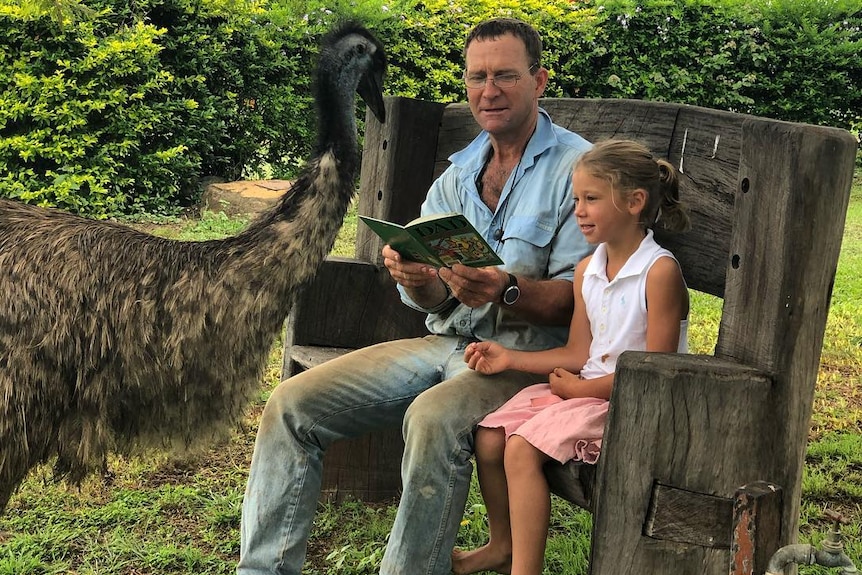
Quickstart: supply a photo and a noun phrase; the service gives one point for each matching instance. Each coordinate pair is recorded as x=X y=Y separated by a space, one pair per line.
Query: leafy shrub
x=124 y=107
x=795 y=60
x=681 y=51
x=124 y=111
x=810 y=69
x=75 y=114
x=426 y=40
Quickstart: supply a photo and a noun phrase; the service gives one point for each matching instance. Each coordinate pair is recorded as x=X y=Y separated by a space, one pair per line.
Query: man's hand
x=475 y=286
x=420 y=281
x=407 y=273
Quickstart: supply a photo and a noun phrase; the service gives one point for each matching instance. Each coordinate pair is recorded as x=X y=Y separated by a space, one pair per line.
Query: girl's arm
x=667 y=305
x=488 y=357
x=569 y=385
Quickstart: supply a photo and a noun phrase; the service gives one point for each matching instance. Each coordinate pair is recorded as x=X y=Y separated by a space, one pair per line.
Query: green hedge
x=123 y=107
x=124 y=110
x=796 y=60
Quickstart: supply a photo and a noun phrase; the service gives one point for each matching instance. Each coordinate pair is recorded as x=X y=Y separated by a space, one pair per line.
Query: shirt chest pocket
x=527 y=241
x=530 y=230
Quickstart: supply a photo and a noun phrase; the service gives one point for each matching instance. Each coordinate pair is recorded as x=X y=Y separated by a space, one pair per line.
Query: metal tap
x=831 y=554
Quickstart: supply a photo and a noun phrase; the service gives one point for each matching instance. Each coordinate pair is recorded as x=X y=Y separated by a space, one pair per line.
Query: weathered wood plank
x=789 y=214
x=657 y=557
x=324 y=316
x=352 y=303
x=690 y=421
x=789 y=221
x=397 y=167
x=332 y=310
x=573 y=481
x=689 y=517
x=704 y=144
x=705 y=149
x=361 y=468
x=308 y=356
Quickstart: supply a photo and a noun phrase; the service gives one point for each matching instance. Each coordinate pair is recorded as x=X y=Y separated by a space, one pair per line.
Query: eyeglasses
x=500 y=80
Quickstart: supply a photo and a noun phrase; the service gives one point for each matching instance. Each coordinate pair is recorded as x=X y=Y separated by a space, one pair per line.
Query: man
x=513 y=182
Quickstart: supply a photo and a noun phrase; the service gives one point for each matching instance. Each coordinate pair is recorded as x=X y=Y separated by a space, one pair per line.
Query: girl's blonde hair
x=629 y=165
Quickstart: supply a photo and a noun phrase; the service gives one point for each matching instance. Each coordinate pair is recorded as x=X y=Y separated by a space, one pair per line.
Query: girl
x=629 y=295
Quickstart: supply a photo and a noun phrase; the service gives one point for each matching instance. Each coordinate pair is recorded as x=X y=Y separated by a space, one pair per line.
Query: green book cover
x=439 y=240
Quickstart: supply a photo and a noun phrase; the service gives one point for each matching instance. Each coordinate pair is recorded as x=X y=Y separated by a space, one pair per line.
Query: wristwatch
x=511 y=292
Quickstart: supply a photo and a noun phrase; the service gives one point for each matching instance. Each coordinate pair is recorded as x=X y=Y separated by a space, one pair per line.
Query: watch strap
x=511 y=292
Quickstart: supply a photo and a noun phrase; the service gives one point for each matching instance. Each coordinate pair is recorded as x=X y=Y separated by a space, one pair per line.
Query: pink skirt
x=563 y=429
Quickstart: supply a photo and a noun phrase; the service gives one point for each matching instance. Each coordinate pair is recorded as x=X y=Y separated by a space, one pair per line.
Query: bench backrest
x=761 y=193
x=768 y=201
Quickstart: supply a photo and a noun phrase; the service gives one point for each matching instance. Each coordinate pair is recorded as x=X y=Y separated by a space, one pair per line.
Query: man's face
x=503 y=111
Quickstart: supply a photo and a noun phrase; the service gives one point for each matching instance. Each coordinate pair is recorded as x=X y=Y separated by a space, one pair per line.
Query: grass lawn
x=178 y=513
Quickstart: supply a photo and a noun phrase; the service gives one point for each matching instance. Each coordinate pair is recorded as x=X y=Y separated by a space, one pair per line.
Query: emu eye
x=361 y=48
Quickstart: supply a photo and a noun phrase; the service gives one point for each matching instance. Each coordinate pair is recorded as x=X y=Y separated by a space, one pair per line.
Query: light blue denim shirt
x=540 y=238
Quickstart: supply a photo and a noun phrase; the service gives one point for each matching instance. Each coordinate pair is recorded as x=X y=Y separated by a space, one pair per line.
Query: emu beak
x=370 y=89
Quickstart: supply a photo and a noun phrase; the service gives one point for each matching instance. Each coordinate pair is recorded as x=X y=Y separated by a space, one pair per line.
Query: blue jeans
x=422 y=384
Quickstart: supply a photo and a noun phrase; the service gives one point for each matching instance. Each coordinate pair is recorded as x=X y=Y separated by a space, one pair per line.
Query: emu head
x=356 y=60
x=370 y=87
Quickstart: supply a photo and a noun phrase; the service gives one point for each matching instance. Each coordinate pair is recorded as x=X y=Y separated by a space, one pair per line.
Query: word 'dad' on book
x=440 y=240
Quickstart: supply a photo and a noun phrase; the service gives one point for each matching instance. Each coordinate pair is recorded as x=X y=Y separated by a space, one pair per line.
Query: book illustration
x=462 y=248
x=440 y=240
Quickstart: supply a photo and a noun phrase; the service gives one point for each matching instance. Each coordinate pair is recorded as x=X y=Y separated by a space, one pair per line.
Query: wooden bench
x=703 y=454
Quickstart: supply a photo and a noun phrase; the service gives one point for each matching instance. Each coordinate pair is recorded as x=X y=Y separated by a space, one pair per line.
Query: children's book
x=439 y=240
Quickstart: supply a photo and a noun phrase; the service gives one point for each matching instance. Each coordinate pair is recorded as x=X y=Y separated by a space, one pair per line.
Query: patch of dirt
x=243 y=197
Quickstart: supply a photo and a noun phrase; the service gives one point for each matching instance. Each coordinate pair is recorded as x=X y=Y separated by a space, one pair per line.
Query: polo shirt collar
x=634 y=266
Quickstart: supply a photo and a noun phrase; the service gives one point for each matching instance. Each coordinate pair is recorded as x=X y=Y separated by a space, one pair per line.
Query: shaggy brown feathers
x=111 y=338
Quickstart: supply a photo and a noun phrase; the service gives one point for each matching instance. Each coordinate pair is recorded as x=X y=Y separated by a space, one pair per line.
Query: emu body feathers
x=112 y=338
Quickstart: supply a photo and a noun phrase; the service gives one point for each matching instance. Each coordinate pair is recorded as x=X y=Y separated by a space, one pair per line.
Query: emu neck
x=337 y=129
x=283 y=249
x=285 y=246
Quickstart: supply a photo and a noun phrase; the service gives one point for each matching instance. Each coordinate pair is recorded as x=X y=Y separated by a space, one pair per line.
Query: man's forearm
x=544 y=302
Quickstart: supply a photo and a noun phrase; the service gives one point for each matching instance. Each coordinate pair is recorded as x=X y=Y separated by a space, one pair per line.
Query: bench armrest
x=683 y=422
x=349 y=304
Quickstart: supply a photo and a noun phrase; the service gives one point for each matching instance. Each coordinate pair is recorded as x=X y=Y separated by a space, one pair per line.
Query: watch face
x=511 y=295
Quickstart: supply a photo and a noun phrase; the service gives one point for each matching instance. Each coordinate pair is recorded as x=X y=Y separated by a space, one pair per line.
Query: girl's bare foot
x=485 y=558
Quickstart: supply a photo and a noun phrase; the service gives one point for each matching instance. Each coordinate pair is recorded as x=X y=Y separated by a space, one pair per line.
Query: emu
x=113 y=340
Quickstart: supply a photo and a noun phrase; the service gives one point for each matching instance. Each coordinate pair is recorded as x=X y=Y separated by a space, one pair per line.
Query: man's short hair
x=496 y=27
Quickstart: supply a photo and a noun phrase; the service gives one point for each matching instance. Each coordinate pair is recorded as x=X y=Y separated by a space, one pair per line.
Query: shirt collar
x=472 y=158
x=635 y=265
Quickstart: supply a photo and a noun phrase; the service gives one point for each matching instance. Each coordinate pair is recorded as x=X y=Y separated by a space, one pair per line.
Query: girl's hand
x=564 y=383
x=486 y=357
